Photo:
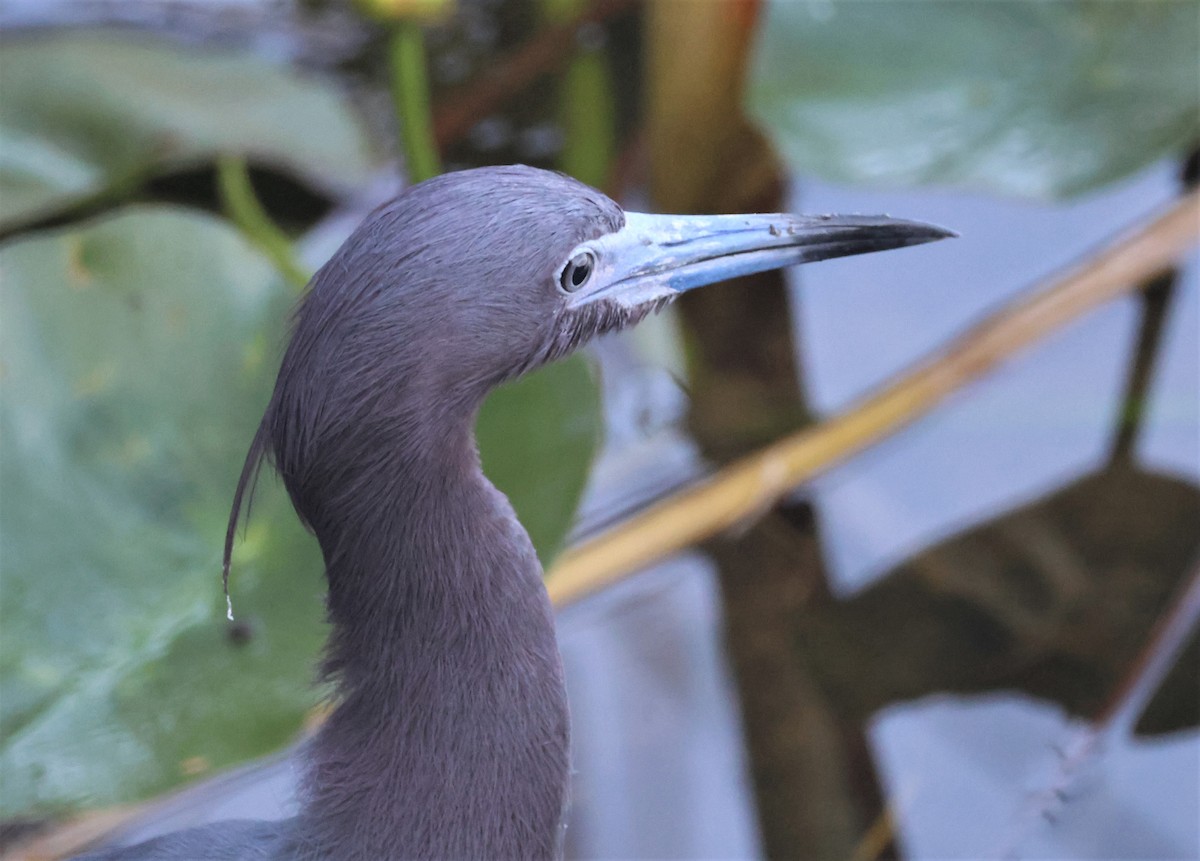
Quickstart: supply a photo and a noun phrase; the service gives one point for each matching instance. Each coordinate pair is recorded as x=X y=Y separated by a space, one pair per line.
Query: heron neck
x=450 y=739
x=433 y=557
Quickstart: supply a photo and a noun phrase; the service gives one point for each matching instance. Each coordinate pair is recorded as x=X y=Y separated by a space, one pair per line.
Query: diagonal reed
x=750 y=486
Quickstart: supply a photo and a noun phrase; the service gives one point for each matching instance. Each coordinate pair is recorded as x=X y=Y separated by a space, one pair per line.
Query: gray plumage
x=450 y=737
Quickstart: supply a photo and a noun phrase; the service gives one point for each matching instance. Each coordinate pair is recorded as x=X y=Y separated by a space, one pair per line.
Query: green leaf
x=136 y=356
x=86 y=113
x=1039 y=100
x=537 y=437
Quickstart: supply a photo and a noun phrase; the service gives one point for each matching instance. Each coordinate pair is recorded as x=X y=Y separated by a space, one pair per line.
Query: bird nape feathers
x=450 y=737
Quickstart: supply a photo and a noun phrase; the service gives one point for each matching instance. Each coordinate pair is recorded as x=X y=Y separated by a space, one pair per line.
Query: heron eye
x=577 y=272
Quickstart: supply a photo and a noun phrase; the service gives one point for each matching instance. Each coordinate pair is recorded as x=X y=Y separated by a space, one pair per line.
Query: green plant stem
x=118 y=191
x=243 y=208
x=586 y=104
x=409 y=84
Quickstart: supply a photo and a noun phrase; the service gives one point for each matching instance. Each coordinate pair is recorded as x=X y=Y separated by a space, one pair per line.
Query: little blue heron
x=450 y=735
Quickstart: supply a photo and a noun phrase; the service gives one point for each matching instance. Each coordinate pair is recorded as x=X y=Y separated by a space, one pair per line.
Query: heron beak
x=657 y=256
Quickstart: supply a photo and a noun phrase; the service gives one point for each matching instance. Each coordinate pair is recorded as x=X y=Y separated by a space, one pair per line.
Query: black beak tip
x=862 y=235
x=918 y=233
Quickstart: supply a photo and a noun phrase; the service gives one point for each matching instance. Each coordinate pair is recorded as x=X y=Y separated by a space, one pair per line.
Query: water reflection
x=1055 y=599
x=962 y=771
x=1042 y=421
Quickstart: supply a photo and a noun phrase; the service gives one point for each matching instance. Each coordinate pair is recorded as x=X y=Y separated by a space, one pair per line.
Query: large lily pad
x=137 y=355
x=1032 y=99
x=83 y=113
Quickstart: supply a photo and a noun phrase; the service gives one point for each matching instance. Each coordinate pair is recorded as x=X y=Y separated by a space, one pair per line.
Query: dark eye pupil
x=577 y=272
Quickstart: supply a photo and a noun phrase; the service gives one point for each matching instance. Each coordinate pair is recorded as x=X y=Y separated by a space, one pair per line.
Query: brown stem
x=1155 y=302
x=549 y=50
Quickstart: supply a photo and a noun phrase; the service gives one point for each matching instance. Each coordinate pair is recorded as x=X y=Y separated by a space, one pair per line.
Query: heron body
x=450 y=736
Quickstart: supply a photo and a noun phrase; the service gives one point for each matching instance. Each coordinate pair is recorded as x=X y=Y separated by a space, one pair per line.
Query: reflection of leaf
x=1033 y=99
x=82 y=112
x=1055 y=598
x=136 y=356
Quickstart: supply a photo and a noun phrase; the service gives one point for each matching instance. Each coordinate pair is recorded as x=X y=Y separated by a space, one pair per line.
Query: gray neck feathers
x=451 y=736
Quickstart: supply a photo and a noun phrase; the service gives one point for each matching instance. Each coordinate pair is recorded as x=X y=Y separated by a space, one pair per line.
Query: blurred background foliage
x=993 y=97
x=144 y=310
x=122 y=439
